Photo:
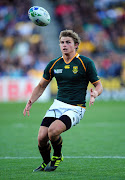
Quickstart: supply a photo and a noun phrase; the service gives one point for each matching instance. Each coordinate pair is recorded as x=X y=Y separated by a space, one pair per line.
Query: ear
x=76 y=45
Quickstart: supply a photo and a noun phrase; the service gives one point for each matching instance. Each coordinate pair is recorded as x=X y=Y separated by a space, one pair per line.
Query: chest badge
x=75 y=69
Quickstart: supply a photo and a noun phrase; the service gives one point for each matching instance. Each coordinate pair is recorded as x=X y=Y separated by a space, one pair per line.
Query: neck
x=68 y=57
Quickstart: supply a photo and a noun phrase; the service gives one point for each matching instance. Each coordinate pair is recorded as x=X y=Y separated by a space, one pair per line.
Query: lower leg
x=45 y=152
x=57 y=146
x=54 y=131
x=43 y=144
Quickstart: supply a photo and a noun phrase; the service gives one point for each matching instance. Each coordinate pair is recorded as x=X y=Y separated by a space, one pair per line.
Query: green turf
x=101 y=133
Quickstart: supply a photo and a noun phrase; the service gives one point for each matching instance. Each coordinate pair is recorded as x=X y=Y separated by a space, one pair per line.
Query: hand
x=93 y=95
x=27 y=108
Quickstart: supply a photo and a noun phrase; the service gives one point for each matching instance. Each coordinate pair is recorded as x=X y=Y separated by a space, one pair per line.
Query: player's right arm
x=37 y=92
x=39 y=89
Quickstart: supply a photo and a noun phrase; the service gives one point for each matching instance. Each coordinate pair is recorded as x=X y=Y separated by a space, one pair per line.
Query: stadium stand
x=100 y=25
x=21 y=44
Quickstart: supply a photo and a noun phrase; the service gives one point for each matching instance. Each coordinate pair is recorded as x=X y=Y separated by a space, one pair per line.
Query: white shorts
x=58 y=108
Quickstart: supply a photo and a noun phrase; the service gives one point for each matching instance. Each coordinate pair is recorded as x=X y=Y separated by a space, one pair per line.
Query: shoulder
x=56 y=59
x=85 y=59
x=53 y=62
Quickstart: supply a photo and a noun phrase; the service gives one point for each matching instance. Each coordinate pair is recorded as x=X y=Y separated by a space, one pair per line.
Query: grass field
x=93 y=150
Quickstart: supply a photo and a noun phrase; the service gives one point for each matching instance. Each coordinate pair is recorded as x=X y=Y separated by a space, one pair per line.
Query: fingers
x=91 y=103
x=92 y=100
x=26 y=111
x=93 y=95
x=27 y=108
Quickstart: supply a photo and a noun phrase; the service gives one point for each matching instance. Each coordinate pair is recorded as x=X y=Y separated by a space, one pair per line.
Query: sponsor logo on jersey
x=58 y=71
x=75 y=69
x=67 y=66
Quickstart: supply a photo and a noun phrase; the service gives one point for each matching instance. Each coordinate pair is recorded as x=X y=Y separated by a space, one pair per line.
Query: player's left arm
x=96 y=92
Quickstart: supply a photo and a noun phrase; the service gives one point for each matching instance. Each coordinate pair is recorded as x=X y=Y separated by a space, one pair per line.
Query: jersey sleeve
x=48 y=75
x=92 y=72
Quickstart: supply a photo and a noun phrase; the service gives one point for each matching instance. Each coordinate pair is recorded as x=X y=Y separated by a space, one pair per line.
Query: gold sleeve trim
x=46 y=79
x=82 y=63
x=96 y=81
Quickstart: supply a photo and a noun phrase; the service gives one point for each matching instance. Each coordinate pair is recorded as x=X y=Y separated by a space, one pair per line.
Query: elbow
x=41 y=86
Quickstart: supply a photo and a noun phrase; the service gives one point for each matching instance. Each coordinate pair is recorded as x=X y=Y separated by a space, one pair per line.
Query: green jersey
x=72 y=78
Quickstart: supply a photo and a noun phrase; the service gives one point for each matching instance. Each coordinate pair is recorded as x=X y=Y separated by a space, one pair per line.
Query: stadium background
x=94 y=149
x=25 y=49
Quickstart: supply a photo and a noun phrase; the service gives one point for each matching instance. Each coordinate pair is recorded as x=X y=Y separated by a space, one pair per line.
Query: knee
x=42 y=136
x=42 y=140
x=52 y=132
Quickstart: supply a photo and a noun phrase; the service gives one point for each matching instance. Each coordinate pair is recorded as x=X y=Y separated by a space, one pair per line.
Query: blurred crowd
x=21 y=44
x=100 y=24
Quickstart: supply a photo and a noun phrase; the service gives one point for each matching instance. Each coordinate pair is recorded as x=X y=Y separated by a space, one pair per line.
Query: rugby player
x=73 y=73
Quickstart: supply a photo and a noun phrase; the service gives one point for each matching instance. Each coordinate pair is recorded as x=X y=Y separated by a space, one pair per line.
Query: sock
x=45 y=153
x=57 y=146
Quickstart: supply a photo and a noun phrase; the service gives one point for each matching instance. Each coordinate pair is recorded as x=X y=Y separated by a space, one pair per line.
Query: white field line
x=70 y=157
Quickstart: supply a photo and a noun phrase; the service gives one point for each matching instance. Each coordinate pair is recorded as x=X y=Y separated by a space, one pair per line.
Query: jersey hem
x=73 y=104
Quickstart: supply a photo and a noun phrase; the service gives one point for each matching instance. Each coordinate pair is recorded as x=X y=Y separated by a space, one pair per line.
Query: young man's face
x=67 y=45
